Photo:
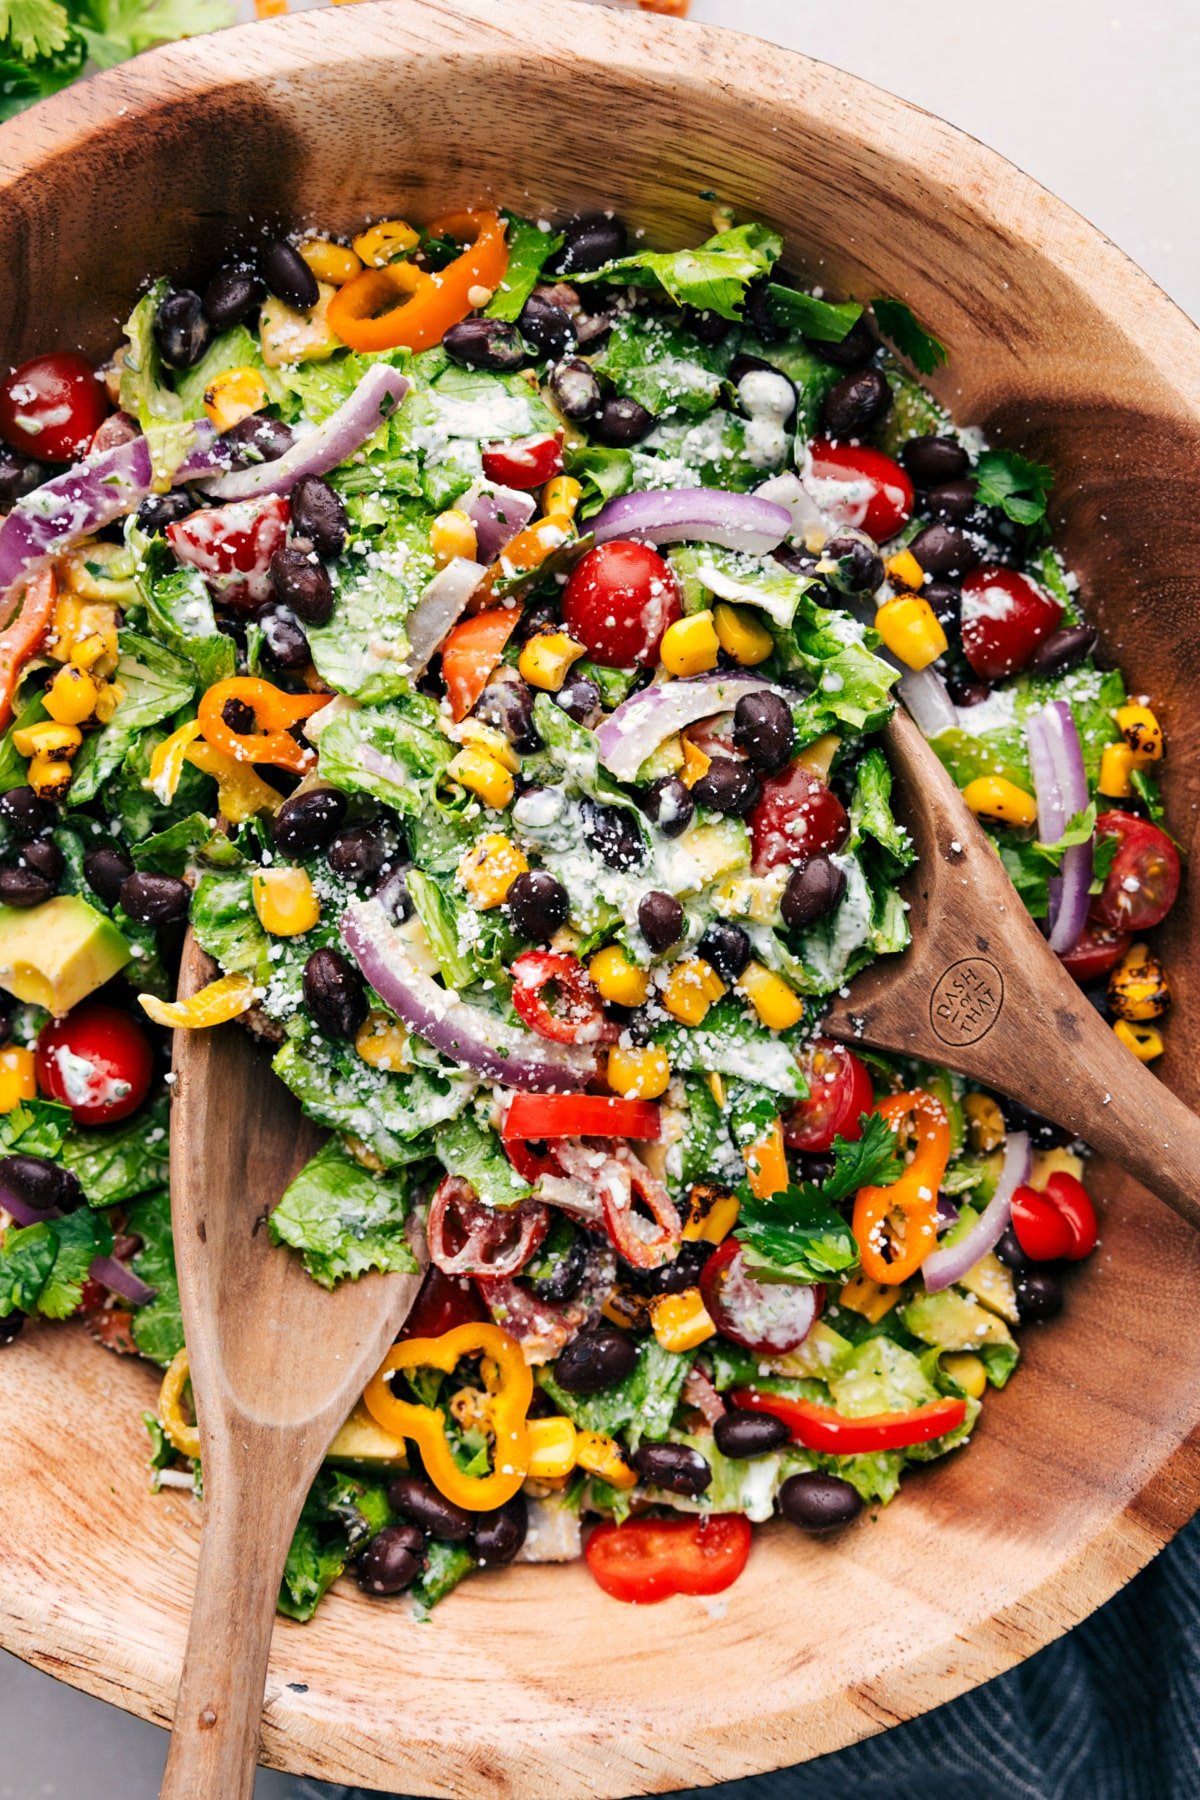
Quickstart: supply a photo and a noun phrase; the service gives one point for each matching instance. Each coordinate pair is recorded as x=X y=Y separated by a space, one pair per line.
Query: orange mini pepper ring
x=430 y=302
x=274 y=711
x=914 y=1196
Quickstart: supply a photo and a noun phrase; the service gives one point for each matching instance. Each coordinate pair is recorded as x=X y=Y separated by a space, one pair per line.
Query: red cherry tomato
x=647 y=1560
x=839 y=1092
x=1042 y=1231
x=232 y=546
x=620 y=599
x=526 y=462
x=442 y=1302
x=1097 y=950
x=1074 y=1204
x=796 y=816
x=97 y=1061
x=768 y=1317
x=855 y=485
x=52 y=407
x=468 y=1238
x=1005 y=616
x=1140 y=887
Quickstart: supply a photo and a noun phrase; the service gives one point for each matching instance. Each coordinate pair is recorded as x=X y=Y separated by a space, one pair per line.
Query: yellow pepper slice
x=240 y=792
x=184 y=1435
x=224 y=999
x=167 y=760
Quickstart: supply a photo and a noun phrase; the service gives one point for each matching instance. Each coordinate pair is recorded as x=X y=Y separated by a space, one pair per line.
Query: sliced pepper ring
x=424 y=304
x=181 y=1433
x=885 y=1256
x=274 y=711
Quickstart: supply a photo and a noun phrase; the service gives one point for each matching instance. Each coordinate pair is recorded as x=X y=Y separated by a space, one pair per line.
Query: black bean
x=857 y=347
x=763 y=730
x=506 y=704
x=232 y=296
x=1008 y=1249
x=614 y=835
x=660 y=919
x=858 y=566
x=25 y=813
x=289 y=277
x=589 y=242
x=157 y=511
x=40 y=1183
x=709 y=327
x=44 y=858
x=1064 y=650
x=154 y=899
x=334 y=993
x=392 y=1560
x=418 y=1500
x=306 y=823
x=944 y=550
x=818 y=1502
x=814 y=1165
x=358 y=853
x=932 y=460
x=497 y=1536
x=673 y=1277
x=485 y=344
x=676 y=1468
x=238 y=716
x=564 y=1273
x=19 y=475
x=105 y=870
x=945 y=597
x=727 y=787
x=669 y=803
x=965 y=691
x=595 y=1360
x=621 y=422
x=299 y=580
x=856 y=403
x=537 y=905
x=726 y=947
x=744 y=1434
x=319 y=514
x=547 y=326
x=180 y=329
x=1044 y=1134
x=953 y=501
x=815 y=886
x=394 y=897
x=257 y=439
x=576 y=389
x=23 y=883
x=1039 y=1295
x=285 y=646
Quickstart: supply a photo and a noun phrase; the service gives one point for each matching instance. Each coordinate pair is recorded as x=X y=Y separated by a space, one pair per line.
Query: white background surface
x=1099 y=102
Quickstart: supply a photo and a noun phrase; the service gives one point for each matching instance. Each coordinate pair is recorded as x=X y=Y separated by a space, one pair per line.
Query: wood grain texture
x=529 y=1681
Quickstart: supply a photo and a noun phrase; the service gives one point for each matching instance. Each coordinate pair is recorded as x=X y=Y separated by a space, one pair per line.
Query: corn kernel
x=284 y=901
x=712 y=1213
x=546 y=659
x=716 y=1087
x=561 y=497
x=551 y=1447
x=742 y=634
x=71 y=696
x=489 y=868
x=382 y=1042
x=638 y=1074
x=903 y=570
x=453 y=534
x=618 y=979
x=967 y=1371
x=471 y=1408
x=492 y=742
x=1137 y=987
x=1145 y=1042
x=910 y=629
x=47 y=738
x=869 y=1298
x=601 y=1456
x=695 y=761
x=627 y=1308
x=234 y=395
x=766 y=1163
x=483 y=775
x=384 y=242
x=681 y=1321
x=76 y=622
x=1116 y=765
x=995 y=797
x=1142 y=732
x=109 y=695
x=18 y=1080
x=690 y=646
x=985 y=1123
x=331 y=262
x=49 y=777
x=818 y=756
x=773 y=1000
x=692 y=987
x=88 y=651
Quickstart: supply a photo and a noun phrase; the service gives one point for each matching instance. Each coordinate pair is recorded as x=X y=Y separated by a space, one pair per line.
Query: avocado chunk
x=366 y=1444
x=954 y=1321
x=56 y=954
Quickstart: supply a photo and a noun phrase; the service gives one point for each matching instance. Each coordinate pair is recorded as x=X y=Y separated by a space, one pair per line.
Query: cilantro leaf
x=899 y=323
x=24 y=81
x=797 y=1235
x=34 y=28
x=80 y=1238
x=713 y=277
x=873 y=1160
x=1019 y=487
x=26 y=1259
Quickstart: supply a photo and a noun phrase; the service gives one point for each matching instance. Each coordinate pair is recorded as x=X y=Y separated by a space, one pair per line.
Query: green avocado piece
x=56 y=954
x=364 y=1443
x=954 y=1321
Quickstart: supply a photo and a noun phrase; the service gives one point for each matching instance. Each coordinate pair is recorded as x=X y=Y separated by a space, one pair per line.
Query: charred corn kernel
x=869 y=1298
x=551 y=1447
x=1144 y=1040
x=167 y=760
x=638 y=1074
x=334 y=263
x=995 y=797
x=492 y=742
x=690 y=646
x=561 y=497
x=483 y=775
x=695 y=762
x=471 y=1407
x=716 y=1087
x=233 y=396
x=1058 y=1161
x=546 y=660
x=47 y=738
x=76 y=622
x=382 y=1042
x=109 y=695
x=903 y=570
x=489 y=868
x=818 y=756
x=1142 y=732
x=910 y=629
x=711 y=1213
x=453 y=534
x=692 y=987
x=226 y=998
x=49 y=777
x=618 y=979
x=968 y=1371
x=985 y=1123
x=18 y=1080
x=773 y=1000
x=71 y=696
x=179 y=1429
x=384 y=242
x=1116 y=768
x=88 y=651
x=241 y=794
x=287 y=335
x=601 y=1456
x=766 y=1163
x=627 y=1308
x=681 y=1321
x=742 y=634
x=285 y=901
x=1137 y=987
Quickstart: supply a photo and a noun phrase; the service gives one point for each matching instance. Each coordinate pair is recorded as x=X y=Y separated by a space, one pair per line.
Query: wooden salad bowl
x=530 y=1681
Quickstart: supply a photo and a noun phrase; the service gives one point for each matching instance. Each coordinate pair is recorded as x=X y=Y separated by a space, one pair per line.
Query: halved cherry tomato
x=796 y=816
x=232 y=546
x=855 y=485
x=579 y=1017
x=821 y=1428
x=1005 y=616
x=1074 y=1203
x=468 y=1238
x=581 y=1115
x=839 y=1092
x=116 y=430
x=768 y=1317
x=1042 y=1231
x=1140 y=887
x=527 y=462
x=620 y=599
x=529 y=1163
x=52 y=407
x=442 y=1302
x=1097 y=950
x=19 y=640
x=472 y=651
x=97 y=1061
x=647 y=1560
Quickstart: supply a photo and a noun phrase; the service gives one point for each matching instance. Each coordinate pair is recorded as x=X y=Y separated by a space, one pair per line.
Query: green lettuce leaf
x=343 y=1219
x=641 y=1406
x=391 y=1113
x=406 y=735
x=156 y=684
x=529 y=249
x=467 y=1148
x=118 y=1162
x=712 y=278
x=662 y=365
x=157 y=1326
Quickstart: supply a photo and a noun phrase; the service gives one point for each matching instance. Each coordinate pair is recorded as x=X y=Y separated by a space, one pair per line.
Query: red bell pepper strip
x=580 y=1018
x=822 y=1428
x=19 y=640
x=471 y=652
x=581 y=1115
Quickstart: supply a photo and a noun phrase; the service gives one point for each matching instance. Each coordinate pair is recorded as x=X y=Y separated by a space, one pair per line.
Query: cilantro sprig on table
x=44 y=44
x=799 y=1235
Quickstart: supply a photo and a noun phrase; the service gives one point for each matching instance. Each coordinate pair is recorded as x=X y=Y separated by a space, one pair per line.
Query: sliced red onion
x=113 y=1274
x=330 y=444
x=639 y=725
x=695 y=515
x=466 y=1034
x=1061 y=787
x=387 y=768
x=439 y=609
x=788 y=490
x=947 y=1212
x=497 y=513
x=947 y=1266
x=20 y=1210
x=927 y=700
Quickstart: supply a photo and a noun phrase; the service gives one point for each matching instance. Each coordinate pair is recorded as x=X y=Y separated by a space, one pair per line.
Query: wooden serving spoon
x=277 y=1363
x=980 y=991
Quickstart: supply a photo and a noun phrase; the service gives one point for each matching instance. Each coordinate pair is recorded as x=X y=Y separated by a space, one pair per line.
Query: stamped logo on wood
x=966 y=1002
